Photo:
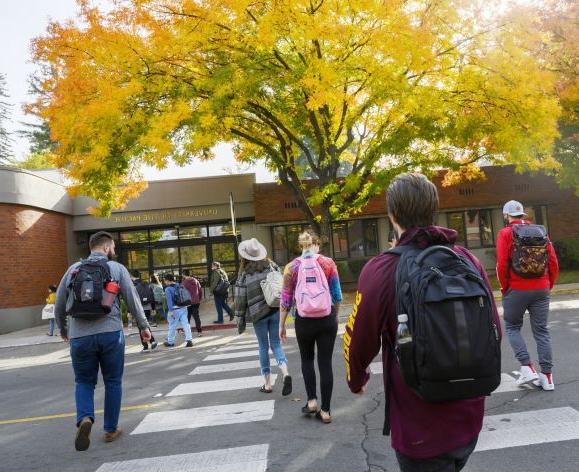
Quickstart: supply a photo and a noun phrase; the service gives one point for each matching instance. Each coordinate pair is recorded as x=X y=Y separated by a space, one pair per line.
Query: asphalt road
x=37 y=381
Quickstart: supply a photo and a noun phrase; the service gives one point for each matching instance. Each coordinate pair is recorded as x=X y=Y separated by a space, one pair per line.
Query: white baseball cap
x=514 y=208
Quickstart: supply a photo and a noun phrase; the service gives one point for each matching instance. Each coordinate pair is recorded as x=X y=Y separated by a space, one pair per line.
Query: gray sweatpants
x=515 y=304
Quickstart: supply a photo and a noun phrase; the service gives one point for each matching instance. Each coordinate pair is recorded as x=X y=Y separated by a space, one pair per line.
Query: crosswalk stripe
x=377 y=368
x=237 y=459
x=243 y=343
x=223 y=385
x=231 y=355
x=237 y=348
x=214 y=368
x=194 y=418
x=529 y=427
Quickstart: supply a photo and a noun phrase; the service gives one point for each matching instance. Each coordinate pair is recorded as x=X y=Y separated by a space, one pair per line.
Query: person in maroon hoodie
x=196 y=291
x=425 y=436
x=522 y=294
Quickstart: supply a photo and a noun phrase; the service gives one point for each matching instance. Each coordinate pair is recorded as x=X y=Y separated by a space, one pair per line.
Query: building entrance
x=173 y=249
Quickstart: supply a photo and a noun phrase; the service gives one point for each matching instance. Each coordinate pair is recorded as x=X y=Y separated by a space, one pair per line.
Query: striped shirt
x=290 y=280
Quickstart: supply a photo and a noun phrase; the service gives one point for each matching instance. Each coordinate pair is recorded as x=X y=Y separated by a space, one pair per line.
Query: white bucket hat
x=252 y=250
x=514 y=208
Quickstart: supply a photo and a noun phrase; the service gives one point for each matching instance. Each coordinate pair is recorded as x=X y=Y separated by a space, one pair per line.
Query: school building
x=186 y=224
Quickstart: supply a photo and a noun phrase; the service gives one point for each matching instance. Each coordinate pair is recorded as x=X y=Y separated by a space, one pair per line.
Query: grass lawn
x=565 y=277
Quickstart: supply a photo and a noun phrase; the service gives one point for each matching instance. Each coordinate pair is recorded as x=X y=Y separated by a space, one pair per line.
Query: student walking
x=251 y=305
x=158 y=295
x=311 y=282
x=88 y=314
x=219 y=286
x=147 y=299
x=196 y=291
x=527 y=269
x=46 y=312
x=177 y=311
x=440 y=356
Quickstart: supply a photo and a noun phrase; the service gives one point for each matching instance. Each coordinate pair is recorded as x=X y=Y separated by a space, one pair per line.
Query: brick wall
x=276 y=204
x=32 y=254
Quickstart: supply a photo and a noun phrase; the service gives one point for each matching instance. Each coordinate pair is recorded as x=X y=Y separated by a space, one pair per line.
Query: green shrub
x=568 y=253
x=349 y=271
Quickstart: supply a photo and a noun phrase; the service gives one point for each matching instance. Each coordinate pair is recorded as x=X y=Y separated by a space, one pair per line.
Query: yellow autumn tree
x=349 y=92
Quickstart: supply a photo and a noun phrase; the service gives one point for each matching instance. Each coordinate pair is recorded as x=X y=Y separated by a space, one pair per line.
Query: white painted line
x=233 y=366
x=223 y=385
x=377 y=368
x=529 y=427
x=242 y=343
x=231 y=355
x=206 y=416
x=237 y=459
x=509 y=384
x=237 y=348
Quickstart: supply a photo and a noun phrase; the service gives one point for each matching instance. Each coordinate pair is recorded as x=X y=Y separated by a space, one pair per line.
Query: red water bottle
x=110 y=294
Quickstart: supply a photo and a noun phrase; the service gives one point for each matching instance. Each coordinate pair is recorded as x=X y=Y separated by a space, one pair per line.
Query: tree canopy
x=310 y=87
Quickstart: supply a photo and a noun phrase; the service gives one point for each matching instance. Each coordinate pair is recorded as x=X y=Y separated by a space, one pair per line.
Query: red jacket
x=508 y=279
x=194 y=288
x=419 y=430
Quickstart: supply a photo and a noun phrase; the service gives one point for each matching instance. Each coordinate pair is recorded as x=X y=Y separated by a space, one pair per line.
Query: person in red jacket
x=196 y=291
x=425 y=436
x=522 y=294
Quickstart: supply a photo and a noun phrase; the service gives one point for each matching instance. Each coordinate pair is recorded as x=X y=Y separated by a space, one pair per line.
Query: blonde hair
x=308 y=238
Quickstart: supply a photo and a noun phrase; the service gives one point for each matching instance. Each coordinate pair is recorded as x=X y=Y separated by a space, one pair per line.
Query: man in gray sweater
x=96 y=336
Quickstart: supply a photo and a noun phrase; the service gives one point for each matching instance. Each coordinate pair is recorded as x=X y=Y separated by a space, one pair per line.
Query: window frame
x=464 y=214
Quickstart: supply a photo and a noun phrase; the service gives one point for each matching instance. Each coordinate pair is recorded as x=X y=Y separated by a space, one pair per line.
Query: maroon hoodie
x=420 y=430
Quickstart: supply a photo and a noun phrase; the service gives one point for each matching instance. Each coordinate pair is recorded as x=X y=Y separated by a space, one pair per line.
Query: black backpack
x=145 y=292
x=529 y=255
x=85 y=290
x=182 y=296
x=455 y=349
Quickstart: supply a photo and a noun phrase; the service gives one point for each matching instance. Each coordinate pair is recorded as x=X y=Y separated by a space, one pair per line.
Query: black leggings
x=321 y=332
x=193 y=311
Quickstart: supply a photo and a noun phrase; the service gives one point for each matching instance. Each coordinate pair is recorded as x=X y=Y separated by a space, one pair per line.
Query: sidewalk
x=37 y=335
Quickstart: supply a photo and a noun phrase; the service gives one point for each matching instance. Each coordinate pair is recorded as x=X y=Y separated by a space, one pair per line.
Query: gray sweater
x=77 y=328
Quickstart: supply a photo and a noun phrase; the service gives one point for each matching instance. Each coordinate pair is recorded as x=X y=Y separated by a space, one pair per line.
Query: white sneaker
x=545 y=381
x=528 y=374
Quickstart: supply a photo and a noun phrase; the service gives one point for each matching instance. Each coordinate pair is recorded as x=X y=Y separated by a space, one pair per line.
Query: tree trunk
x=325 y=233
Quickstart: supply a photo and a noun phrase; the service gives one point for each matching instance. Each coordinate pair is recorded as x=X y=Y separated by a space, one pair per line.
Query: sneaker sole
x=82 y=441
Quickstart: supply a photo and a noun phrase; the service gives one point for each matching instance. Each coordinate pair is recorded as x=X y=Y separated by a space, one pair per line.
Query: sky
x=20 y=22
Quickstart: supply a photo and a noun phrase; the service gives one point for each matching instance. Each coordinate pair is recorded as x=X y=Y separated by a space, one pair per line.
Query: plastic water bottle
x=403 y=336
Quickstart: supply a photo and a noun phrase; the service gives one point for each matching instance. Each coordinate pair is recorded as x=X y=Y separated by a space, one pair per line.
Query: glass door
x=226 y=254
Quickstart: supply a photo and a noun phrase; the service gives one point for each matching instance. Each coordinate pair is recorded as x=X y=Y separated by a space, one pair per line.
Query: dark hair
x=170 y=277
x=251 y=267
x=52 y=288
x=186 y=272
x=155 y=279
x=412 y=200
x=99 y=239
x=136 y=274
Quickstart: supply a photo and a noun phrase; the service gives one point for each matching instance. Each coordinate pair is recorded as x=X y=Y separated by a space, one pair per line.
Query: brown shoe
x=82 y=441
x=110 y=437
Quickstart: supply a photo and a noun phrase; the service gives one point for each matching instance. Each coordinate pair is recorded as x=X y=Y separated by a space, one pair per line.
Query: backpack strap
x=402 y=252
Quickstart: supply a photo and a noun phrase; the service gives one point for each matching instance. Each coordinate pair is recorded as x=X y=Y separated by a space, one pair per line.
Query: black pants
x=320 y=332
x=143 y=342
x=193 y=311
x=452 y=461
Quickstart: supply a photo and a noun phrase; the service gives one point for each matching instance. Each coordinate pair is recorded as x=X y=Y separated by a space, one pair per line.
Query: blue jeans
x=267 y=332
x=220 y=305
x=176 y=317
x=88 y=353
x=51 y=325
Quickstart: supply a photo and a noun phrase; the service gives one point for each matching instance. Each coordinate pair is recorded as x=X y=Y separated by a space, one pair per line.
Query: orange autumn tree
x=351 y=93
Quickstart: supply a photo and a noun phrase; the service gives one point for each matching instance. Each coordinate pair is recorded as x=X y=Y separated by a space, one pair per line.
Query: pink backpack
x=313 y=298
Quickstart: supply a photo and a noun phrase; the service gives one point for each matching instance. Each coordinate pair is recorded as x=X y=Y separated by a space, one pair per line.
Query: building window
x=134 y=237
x=355 y=238
x=193 y=232
x=285 y=242
x=163 y=234
x=474 y=228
